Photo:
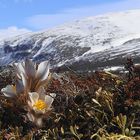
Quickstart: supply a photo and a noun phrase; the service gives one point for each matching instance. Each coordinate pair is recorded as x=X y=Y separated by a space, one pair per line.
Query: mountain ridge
x=99 y=41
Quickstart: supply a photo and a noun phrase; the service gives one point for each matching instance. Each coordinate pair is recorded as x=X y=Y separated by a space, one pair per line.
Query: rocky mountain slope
x=90 y=43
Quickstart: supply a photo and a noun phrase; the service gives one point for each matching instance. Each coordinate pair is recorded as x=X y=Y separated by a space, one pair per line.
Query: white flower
x=33 y=76
x=13 y=90
x=9 y=91
x=30 y=81
x=36 y=120
x=39 y=102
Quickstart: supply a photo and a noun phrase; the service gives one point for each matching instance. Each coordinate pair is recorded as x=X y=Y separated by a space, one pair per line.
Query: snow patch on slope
x=97 y=39
x=12 y=31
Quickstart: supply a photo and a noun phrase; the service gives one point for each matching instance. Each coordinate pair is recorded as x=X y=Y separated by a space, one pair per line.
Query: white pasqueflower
x=39 y=106
x=33 y=76
x=13 y=90
x=9 y=91
x=40 y=102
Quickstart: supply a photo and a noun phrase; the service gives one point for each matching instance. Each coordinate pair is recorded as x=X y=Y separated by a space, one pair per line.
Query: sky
x=35 y=15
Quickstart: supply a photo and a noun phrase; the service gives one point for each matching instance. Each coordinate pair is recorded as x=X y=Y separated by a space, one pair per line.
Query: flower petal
x=30 y=117
x=20 y=68
x=9 y=91
x=41 y=91
x=30 y=104
x=39 y=111
x=30 y=68
x=43 y=71
x=49 y=99
x=24 y=80
x=34 y=96
x=39 y=122
x=19 y=86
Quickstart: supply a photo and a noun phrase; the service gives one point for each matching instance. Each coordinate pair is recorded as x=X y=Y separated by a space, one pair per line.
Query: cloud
x=12 y=31
x=50 y=20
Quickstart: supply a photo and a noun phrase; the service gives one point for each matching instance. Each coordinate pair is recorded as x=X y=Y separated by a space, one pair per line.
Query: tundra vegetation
x=36 y=104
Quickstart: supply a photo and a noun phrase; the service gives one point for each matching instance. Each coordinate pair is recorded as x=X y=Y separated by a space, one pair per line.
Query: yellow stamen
x=40 y=105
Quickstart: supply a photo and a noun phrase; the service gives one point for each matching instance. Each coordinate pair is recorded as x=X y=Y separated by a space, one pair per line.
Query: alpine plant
x=31 y=82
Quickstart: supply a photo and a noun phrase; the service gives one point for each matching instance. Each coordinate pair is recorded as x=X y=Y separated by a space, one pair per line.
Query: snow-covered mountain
x=11 y=32
x=89 y=43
